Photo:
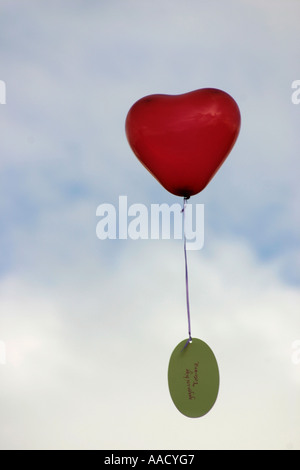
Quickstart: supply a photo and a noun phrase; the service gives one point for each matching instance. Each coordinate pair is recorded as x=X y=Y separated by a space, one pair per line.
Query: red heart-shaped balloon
x=183 y=140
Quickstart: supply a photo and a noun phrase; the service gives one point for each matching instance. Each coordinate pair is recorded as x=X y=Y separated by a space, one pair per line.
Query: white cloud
x=94 y=365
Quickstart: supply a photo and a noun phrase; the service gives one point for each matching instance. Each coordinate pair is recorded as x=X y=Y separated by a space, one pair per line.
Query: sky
x=88 y=326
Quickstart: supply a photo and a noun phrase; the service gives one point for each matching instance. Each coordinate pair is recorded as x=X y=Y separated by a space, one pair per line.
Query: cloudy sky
x=88 y=325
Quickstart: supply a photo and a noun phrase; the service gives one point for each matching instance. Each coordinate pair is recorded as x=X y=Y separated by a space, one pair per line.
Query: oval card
x=193 y=378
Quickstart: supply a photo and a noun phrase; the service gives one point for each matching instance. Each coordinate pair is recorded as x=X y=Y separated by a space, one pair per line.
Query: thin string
x=186 y=277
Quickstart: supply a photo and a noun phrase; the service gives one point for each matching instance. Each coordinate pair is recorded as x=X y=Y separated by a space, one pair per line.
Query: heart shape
x=183 y=140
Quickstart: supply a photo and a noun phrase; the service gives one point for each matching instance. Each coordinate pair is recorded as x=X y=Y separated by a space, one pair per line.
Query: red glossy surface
x=183 y=140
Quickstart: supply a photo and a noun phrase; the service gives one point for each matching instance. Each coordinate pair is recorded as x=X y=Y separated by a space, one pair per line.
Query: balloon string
x=186 y=277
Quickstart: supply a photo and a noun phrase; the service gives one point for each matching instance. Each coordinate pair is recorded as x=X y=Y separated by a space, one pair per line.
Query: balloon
x=182 y=140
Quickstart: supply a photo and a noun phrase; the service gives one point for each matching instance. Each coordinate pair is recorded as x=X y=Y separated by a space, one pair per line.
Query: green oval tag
x=193 y=378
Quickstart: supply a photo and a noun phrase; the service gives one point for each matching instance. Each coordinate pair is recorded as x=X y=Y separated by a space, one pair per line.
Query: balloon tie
x=186 y=276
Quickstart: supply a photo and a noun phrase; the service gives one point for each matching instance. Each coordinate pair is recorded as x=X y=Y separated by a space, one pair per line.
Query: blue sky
x=84 y=319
